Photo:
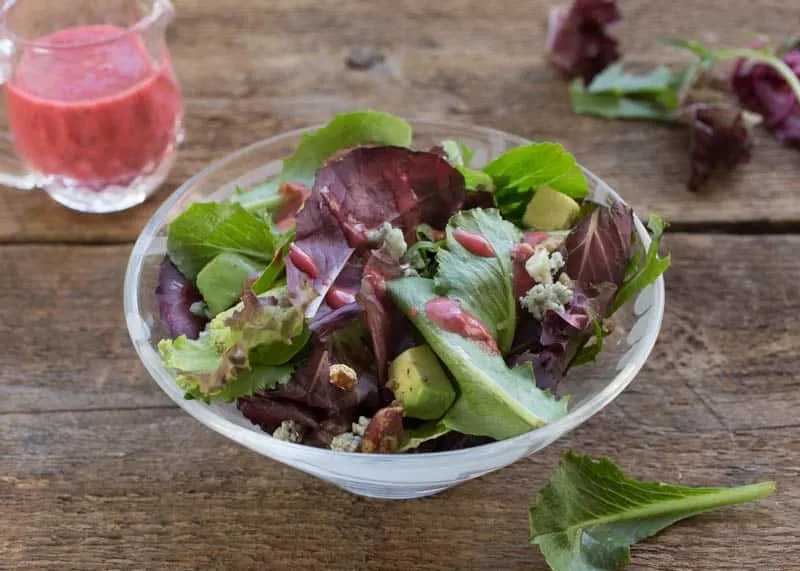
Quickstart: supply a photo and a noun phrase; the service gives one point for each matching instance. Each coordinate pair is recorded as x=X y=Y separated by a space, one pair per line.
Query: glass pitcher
x=93 y=106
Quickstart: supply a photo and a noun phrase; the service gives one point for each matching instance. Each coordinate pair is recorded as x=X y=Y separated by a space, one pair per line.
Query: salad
x=380 y=299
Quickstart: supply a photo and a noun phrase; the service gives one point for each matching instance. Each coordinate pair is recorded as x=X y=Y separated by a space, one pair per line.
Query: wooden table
x=99 y=470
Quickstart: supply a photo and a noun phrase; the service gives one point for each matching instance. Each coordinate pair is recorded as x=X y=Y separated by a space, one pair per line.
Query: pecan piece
x=343 y=377
x=384 y=432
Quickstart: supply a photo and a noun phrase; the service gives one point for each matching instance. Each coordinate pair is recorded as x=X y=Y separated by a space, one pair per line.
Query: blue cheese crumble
x=288 y=431
x=351 y=441
x=542 y=265
x=346 y=442
x=360 y=427
x=542 y=297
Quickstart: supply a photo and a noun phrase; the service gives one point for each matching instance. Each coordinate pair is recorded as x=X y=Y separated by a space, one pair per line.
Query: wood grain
x=99 y=471
x=253 y=70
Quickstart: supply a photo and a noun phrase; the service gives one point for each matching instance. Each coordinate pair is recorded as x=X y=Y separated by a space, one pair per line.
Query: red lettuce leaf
x=357 y=193
x=269 y=413
x=761 y=89
x=329 y=319
x=175 y=295
x=577 y=42
x=600 y=246
x=311 y=400
x=719 y=140
x=311 y=386
x=563 y=333
x=386 y=323
x=293 y=196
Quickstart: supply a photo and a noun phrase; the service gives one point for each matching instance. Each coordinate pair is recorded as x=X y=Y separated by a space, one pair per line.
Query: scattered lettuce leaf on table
x=206 y=229
x=578 y=42
x=615 y=79
x=343 y=131
x=482 y=284
x=590 y=513
x=518 y=173
x=494 y=400
x=619 y=94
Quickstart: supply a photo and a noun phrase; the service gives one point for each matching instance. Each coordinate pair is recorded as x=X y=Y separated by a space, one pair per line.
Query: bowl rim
x=255 y=440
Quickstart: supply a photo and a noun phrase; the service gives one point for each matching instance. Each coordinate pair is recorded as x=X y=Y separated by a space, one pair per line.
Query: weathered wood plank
x=85 y=487
x=155 y=490
x=252 y=71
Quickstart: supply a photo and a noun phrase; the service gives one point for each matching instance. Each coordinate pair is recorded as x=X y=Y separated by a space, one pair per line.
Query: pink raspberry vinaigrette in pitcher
x=95 y=110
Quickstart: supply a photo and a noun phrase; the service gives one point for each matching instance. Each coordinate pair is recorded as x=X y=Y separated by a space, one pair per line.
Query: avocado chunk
x=418 y=381
x=221 y=281
x=550 y=210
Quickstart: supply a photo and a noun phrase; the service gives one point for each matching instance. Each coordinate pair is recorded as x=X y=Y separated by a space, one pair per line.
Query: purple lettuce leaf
x=600 y=246
x=719 y=139
x=356 y=194
x=760 y=88
x=563 y=333
x=577 y=42
x=268 y=413
x=329 y=319
x=175 y=295
x=311 y=386
x=386 y=323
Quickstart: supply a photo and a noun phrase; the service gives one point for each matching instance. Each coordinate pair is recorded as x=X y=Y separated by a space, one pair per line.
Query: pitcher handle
x=13 y=171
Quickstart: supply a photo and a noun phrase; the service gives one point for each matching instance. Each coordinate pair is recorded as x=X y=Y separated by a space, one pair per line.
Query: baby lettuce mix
x=378 y=298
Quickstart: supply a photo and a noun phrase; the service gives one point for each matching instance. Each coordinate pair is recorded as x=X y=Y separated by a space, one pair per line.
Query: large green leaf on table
x=344 y=131
x=482 y=284
x=590 y=513
x=493 y=400
x=518 y=173
x=206 y=229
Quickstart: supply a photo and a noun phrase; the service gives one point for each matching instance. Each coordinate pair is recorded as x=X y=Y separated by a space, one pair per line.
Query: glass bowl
x=399 y=476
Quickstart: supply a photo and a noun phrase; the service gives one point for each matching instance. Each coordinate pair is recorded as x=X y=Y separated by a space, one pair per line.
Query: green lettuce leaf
x=256 y=379
x=460 y=156
x=344 y=131
x=206 y=229
x=271 y=275
x=494 y=400
x=611 y=105
x=222 y=352
x=416 y=437
x=614 y=79
x=246 y=384
x=518 y=173
x=588 y=353
x=641 y=274
x=590 y=513
x=483 y=285
x=278 y=352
